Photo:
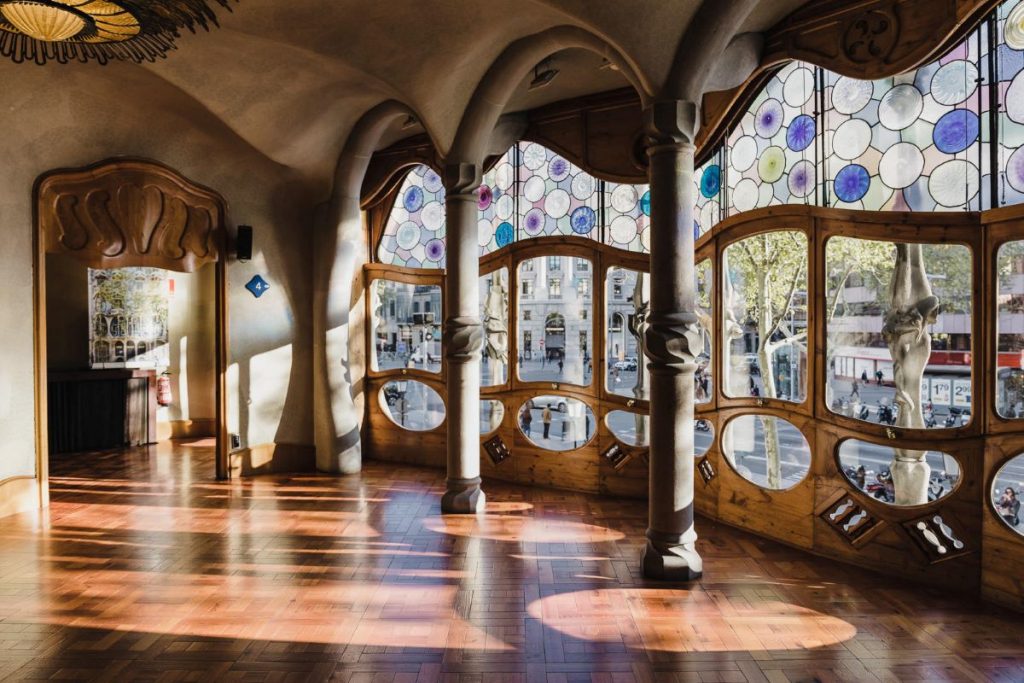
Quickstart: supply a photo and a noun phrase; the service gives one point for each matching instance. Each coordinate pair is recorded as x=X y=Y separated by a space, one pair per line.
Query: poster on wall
x=941 y=391
x=128 y=314
x=926 y=391
x=962 y=393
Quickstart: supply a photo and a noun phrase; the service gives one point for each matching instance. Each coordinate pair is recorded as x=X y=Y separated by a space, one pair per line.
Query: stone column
x=463 y=340
x=673 y=342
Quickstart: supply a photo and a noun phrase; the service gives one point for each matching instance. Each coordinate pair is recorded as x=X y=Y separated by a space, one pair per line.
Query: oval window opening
x=870 y=467
x=491 y=414
x=767 y=451
x=412 y=405
x=1007 y=488
x=633 y=429
x=557 y=423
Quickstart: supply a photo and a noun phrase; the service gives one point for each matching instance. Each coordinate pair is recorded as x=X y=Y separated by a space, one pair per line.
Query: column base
x=671 y=563
x=463 y=497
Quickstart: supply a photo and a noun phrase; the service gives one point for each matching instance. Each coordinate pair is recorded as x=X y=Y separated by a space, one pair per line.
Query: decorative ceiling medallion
x=872 y=36
x=98 y=30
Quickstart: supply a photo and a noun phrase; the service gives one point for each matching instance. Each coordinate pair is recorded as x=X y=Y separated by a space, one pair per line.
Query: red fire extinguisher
x=163 y=389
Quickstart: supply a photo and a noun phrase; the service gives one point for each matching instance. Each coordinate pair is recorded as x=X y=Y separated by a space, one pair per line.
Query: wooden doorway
x=123 y=213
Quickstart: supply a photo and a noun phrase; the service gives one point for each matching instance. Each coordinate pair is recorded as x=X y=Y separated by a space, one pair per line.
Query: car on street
x=540 y=402
x=626 y=364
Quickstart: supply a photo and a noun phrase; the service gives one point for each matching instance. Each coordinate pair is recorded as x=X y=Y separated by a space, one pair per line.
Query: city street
x=748 y=455
x=871 y=394
x=623 y=425
x=570 y=429
x=419 y=408
x=538 y=370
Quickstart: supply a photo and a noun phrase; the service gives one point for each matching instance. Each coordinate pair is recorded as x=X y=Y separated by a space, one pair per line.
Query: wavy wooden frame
x=125 y=212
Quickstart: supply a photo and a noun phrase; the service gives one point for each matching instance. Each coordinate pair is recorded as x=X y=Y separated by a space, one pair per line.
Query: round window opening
x=491 y=414
x=634 y=429
x=1007 y=488
x=412 y=405
x=767 y=451
x=870 y=468
x=557 y=423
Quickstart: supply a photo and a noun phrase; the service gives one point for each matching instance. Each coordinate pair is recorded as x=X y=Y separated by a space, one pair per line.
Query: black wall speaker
x=243 y=244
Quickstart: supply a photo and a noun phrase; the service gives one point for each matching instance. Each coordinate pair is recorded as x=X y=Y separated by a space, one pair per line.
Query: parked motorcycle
x=863 y=413
x=886 y=414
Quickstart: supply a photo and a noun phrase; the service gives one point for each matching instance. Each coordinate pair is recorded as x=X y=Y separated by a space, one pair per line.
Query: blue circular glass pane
x=711 y=181
x=583 y=220
x=801 y=133
x=645 y=203
x=852 y=183
x=956 y=131
x=558 y=169
x=413 y=199
x=504 y=234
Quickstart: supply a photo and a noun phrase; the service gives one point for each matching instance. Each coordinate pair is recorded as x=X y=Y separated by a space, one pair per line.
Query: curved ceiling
x=291 y=78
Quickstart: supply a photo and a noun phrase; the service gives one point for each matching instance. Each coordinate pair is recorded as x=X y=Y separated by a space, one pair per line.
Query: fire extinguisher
x=163 y=389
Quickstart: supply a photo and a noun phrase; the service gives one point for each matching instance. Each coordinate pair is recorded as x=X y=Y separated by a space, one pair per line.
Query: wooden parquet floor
x=145 y=569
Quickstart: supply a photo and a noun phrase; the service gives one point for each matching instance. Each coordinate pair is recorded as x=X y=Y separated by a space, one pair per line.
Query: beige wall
x=192 y=337
x=72 y=115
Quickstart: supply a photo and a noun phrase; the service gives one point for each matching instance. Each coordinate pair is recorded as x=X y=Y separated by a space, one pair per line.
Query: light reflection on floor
x=146 y=564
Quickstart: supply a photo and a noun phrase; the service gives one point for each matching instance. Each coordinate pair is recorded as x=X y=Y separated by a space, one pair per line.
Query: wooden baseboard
x=196 y=428
x=18 y=494
x=272 y=458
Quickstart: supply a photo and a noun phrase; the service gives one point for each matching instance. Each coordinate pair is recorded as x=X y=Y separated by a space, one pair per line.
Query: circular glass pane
x=767 y=451
x=412 y=405
x=633 y=429
x=491 y=415
x=1007 y=488
x=557 y=423
x=868 y=466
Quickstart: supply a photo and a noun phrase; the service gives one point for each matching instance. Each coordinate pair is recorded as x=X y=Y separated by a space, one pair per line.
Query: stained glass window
x=771 y=154
x=628 y=216
x=556 y=196
x=914 y=142
x=1010 y=120
x=414 y=235
x=708 y=205
x=911 y=142
x=496 y=201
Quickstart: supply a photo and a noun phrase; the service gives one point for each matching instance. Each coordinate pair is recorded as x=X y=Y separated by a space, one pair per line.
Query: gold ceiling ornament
x=99 y=30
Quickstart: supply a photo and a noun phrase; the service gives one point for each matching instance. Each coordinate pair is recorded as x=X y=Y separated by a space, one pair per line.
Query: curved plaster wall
x=81 y=117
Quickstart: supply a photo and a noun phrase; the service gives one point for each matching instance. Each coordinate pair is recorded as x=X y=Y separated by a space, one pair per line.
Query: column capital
x=463 y=338
x=672 y=123
x=461 y=180
x=673 y=341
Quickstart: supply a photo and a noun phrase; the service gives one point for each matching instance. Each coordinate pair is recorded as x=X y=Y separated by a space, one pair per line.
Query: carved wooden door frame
x=125 y=212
